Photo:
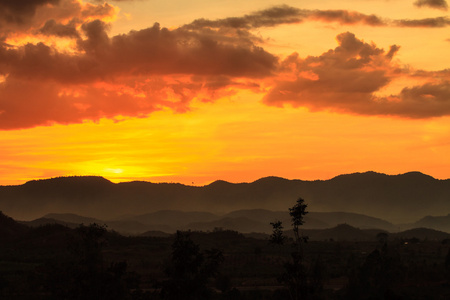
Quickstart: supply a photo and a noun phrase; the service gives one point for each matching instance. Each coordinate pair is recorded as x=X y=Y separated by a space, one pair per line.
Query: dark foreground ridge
x=54 y=261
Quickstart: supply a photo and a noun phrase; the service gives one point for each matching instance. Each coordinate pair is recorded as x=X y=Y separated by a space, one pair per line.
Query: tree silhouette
x=295 y=274
x=189 y=270
x=381 y=271
x=84 y=275
x=277 y=236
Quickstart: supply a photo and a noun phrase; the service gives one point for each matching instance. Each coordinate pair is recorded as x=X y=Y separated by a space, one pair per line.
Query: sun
x=113 y=170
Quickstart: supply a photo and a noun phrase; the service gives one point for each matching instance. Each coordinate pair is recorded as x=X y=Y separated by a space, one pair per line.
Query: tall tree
x=189 y=270
x=295 y=274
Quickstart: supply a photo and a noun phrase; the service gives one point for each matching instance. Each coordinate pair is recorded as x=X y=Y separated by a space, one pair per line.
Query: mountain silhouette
x=433 y=222
x=401 y=198
x=9 y=228
x=422 y=234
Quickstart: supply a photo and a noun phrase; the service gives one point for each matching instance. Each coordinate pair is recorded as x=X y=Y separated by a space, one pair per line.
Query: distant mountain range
x=244 y=221
x=342 y=232
x=397 y=199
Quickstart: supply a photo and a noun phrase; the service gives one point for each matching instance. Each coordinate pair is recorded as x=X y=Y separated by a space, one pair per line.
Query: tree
x=295 y=275
x=297 y=213
x=382 y=238
x=189 y=270
x=84 y=275
x=277 y=236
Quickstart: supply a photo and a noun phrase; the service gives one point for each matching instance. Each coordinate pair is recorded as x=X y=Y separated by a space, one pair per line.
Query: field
x=49 y=262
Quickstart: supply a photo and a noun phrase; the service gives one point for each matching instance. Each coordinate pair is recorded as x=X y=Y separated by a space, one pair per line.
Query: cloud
x=264 y=18
x=102 y=1
x=345 y=17
x=439 y=4
x=19 y=11
x=130 y=74
x=428 y=22
x=285 y=14
x=49 y=17
x=423 y=101
x=51 y=27
x=134 y=74
x=150 y=51
x=346 y=79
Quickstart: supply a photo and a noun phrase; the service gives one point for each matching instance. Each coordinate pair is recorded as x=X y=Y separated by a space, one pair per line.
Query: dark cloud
x=342 y=77
x=12 y=11
x=284 y=14
x=51 y=27
x=51 y=17
x=287 y=15
x=345 y=17
x=142 y=71
x=150 y=51
x=439 y=4
x=422 y=101
x=428 y=22
x=265 y=18
x=346 y=79
x=122 y=75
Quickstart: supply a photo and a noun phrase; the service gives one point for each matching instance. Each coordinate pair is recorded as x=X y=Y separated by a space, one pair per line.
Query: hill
x=341 y=232
x=422 y=234
x=433 y=222
x=9 y=228
x=401 y=198
x=246 y=221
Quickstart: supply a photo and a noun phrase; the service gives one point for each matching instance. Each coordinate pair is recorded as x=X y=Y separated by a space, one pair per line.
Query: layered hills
x=12 y=229
x=403 y=198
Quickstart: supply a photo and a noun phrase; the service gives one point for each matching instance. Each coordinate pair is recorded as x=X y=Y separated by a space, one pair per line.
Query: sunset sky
x=200 y=90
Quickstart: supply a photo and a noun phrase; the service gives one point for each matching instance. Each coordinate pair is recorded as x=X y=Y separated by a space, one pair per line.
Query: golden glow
x=235 y=137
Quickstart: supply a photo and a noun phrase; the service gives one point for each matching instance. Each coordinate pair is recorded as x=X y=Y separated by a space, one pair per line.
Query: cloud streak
x=438 y=4
x=284 y=14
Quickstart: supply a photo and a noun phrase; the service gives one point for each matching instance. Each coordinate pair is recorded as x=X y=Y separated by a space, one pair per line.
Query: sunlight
x=113 y=170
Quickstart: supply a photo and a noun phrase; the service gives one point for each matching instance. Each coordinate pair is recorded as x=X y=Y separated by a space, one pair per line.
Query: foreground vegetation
x=89 y=262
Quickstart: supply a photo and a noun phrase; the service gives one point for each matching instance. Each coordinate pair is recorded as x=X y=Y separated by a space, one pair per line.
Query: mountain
x=46 y=221
x=341 y=232
x=173 y=218
x=313 y=220
x=401 y=198
x=240 y=224
x=73 y=218
x=421 y=234
x=124 y=227
x=353 y=219
x=434 y=222
x=246 y=221
x=9 y=228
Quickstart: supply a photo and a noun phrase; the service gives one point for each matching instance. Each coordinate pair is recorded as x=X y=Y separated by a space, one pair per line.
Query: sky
x=197 y=91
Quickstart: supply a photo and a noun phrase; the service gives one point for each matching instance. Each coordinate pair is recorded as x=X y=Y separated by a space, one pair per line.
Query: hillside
x=433 y=222
x=9 y=228
x=245 y=221
x=396 y=198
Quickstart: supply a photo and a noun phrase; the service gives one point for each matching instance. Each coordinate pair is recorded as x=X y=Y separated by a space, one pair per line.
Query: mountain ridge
x=369 y=193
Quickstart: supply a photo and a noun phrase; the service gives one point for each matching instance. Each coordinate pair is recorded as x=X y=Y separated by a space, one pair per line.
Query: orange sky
x=195 y=91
